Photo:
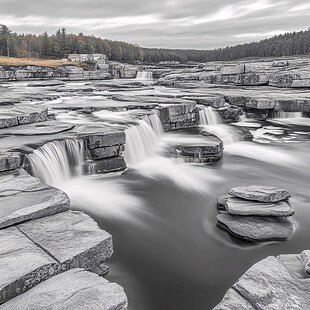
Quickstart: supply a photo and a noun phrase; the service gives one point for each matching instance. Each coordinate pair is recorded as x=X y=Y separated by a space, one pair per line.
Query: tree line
x=60 y=44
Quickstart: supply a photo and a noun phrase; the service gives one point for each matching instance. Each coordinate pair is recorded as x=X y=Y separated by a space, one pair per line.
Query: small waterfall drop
x=144 y=75
x=282 y=114
x=57 y=161
x=208 y=116
x=142 y=139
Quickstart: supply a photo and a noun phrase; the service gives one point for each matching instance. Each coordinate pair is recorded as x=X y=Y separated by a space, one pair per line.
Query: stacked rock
x=256 y=213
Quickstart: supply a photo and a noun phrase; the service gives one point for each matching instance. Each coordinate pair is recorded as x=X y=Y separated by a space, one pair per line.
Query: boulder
x=230 y=113
x=256 y=228
x=23 y=197
x=72 y=238
x=106 y=152
x=9 y=161
x=22 y=263
x=305 y=260
x=239 y=206
x=75 y=289
x=269 y=284
x=260 y=193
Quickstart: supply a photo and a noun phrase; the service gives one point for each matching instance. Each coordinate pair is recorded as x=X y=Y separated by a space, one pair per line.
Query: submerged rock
x=75 y=289
x=239 y=206
x=260 y=193
x=257 y=228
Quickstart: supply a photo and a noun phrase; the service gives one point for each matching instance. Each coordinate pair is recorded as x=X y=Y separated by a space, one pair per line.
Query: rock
x=230 y=113
x=106 y=152
x=75 y=289
x=260 y=193
x=239 y=206
x=234 y=301
x=301 y=83
x=73 y=238
x=237 y=69
x=213 y=101
x=23 y=197
x=44 y=128
x=255 y=79
x=9 y=161
x=269 y=284
x=22 y=264
x=221 y=202
x=257 y=228
x=101 y=139
x=293 y=263
x=46 y=83
x=260 y=103
x=107 y=165
x=209 y=151
x=305 y=260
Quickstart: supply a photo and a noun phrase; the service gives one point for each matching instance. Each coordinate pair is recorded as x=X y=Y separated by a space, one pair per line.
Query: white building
x=87 y=57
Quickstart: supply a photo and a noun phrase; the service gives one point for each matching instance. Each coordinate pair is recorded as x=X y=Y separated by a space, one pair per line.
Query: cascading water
x=208 y=116
x=282 y=114
x=57 y=161
x=142 y=139
x=144 y=75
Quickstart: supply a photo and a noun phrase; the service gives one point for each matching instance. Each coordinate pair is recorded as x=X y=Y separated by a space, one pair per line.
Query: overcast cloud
x=200 y=24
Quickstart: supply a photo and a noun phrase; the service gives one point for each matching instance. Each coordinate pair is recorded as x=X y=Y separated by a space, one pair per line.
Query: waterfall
x=142 y=139
x=208 y=116
x=144 y=75
x=57 y=161
x=282 y=114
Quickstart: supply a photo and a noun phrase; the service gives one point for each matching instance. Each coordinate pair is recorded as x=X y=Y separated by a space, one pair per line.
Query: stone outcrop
x=75 y=289
x=9 y=161
x=273 y=283
x=256 y=213
x=23 y=197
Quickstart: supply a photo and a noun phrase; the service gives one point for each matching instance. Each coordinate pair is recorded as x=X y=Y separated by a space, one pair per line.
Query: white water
x=57 y=161
x=142 y=140
x=144 y=75
x=282 y=114
x=208 y=116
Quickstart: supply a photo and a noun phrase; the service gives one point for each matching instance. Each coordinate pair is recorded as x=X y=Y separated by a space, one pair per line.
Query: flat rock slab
x=21 y=114
x=9 y=161
x=260 y=193
x=269 y=284
x=239 y=206
x=22 y=264
x=23 y=197
x=73 y=238
x=75 y=289
x=257 y=228
x=35 y=129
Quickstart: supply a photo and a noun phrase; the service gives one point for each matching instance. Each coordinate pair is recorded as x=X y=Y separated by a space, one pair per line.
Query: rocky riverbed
x=165 y=154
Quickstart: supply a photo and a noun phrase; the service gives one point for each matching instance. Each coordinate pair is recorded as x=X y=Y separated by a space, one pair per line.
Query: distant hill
x=60 y=44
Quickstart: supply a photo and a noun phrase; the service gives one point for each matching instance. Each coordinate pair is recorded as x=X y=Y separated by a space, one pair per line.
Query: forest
x=62 y=43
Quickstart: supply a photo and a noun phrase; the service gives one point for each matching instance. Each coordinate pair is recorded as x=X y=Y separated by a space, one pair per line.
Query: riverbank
x=63 y=131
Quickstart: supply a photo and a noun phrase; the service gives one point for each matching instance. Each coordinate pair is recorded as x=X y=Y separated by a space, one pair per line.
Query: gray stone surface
x=43 y=128
x=73 y=238
x=23 y=197
x=256 y=228
x=22 y=264
x=106 y=152
x=239 y=206
x=9 y=161
x=305 y=260
x=269 y=284
x=75 y=289
x=260 y=193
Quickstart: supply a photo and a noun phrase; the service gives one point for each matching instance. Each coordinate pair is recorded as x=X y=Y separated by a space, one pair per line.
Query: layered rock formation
x=256 y=213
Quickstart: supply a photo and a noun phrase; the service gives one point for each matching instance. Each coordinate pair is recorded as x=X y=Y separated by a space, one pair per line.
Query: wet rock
x=213 y=101
x=269 y=284
x=107 y=165
x=221 y=202
x=106 y=152
x=73 y=238
x=255 y=79
x=75 y=289
x=9 y=161
x=49 y=127
x=260 y=193
x=257 y=228
x=305 y=260
x=239 y=206
x=230 y=113
x=22 y=264
x=23 y=197
x=237 y=69
x=46 y=83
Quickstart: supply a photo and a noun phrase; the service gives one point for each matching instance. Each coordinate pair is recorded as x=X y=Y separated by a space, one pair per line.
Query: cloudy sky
x=202 y=24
